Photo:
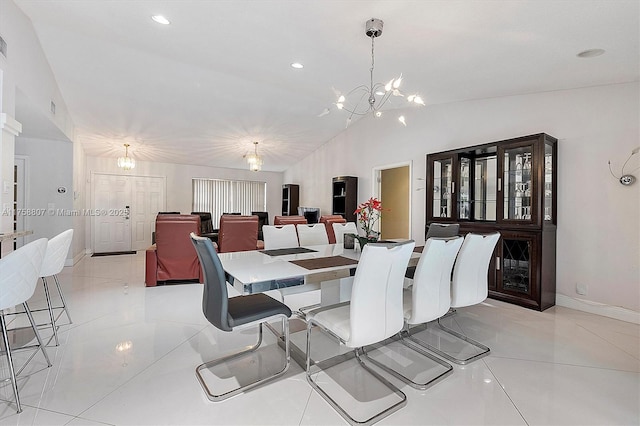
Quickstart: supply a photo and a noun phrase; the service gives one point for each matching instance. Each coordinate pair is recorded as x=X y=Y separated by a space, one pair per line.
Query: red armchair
x=173 y=256
x=289 y=220
x=237 y=233
x=328 y=221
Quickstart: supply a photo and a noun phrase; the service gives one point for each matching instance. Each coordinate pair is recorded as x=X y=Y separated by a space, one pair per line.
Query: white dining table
x=254 y=272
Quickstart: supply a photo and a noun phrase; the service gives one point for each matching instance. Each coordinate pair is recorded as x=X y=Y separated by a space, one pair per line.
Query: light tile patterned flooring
x=558 y=367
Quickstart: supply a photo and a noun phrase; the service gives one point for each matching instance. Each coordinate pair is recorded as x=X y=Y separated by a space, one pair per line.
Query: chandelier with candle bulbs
x=375 y=94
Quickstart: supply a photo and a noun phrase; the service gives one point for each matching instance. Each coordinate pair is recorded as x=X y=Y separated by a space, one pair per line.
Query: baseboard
x=615 y=312
x=77 y=258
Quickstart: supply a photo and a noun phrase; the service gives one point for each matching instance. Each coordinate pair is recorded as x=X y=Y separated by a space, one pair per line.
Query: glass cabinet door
x=464 y=193
x=516 y=260
x=517 y=185
x=484 y=188
x=548 y=183
x=442 y=187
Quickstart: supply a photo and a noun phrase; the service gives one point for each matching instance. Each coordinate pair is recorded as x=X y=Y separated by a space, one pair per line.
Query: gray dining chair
x=228 y=314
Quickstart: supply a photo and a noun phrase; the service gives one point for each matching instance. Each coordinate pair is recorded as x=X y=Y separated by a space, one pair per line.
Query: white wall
x=48 y=169
x=26 y=68
x=179 y=177
x=598 y=239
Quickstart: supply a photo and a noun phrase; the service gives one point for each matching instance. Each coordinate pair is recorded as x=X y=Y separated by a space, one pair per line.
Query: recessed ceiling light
x=297 y=65
x=160 y=19
x=591 y=53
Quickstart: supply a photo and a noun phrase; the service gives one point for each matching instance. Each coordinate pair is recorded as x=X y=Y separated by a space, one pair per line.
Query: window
x=228 y=196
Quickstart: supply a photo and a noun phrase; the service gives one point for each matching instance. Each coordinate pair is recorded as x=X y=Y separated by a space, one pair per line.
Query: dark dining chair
x=228 y=314
x=263 y=219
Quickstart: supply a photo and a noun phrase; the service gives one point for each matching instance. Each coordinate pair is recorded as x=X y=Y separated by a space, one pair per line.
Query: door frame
x=22 y=186
x=376 y=189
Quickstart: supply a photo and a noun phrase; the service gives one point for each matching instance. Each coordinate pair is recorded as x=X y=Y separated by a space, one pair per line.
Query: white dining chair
x=374 y=314
x=312 y=234
x=427 y=300
x=57 y=250
x=469 y=286
x=339 y=229
x=19 y=272
x=280 y=236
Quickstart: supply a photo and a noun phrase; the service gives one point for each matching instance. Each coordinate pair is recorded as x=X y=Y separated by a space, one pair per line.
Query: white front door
x=111 y=218
x=148 y=200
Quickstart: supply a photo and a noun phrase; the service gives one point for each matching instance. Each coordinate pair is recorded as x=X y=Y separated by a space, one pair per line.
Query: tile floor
x=130 y=354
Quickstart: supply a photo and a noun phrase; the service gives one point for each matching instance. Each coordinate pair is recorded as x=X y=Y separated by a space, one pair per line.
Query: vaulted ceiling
x=200 y=90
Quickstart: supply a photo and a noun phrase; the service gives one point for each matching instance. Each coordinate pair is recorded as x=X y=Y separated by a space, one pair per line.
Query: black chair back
x=215 y=300
x=443 y=230
x=206 y=222
x=312 y=214
x=263 y=219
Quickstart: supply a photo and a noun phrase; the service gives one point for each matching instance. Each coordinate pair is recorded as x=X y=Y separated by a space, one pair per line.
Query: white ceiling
x=200 y=90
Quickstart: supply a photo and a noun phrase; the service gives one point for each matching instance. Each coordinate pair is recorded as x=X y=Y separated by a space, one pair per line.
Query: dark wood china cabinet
x=508 y=186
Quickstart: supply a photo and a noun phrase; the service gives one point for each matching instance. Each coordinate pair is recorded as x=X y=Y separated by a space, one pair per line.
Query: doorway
x=393 y=188
x=20 y=202
x=124 y=210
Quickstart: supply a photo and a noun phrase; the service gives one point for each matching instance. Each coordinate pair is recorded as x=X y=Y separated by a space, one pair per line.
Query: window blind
x=220 y=196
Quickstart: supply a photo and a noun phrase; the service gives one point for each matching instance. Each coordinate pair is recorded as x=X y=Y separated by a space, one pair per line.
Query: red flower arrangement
x=369 y=213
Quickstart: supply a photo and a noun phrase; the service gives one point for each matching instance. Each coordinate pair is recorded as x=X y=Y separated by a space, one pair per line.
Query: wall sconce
x=626 y=179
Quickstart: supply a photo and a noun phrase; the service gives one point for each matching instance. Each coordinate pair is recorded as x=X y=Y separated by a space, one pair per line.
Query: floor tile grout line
x=608 y=342
x=306 y=405
x=505 y=392
x=493 y=355
x=142 y=371
x=48 y=410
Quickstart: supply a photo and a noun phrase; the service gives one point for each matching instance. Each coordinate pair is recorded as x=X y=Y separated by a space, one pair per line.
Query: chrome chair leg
x=225 y=395
x=373 y=419
x=484 y=350
x=14 y=383
x=64 y=302
x=50 y=309
x=35 y=331
x=406 y=341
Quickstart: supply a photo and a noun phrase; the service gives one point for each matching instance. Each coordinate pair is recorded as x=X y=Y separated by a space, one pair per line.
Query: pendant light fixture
x=375 y=94
x=254 y=160
x=126 y=162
